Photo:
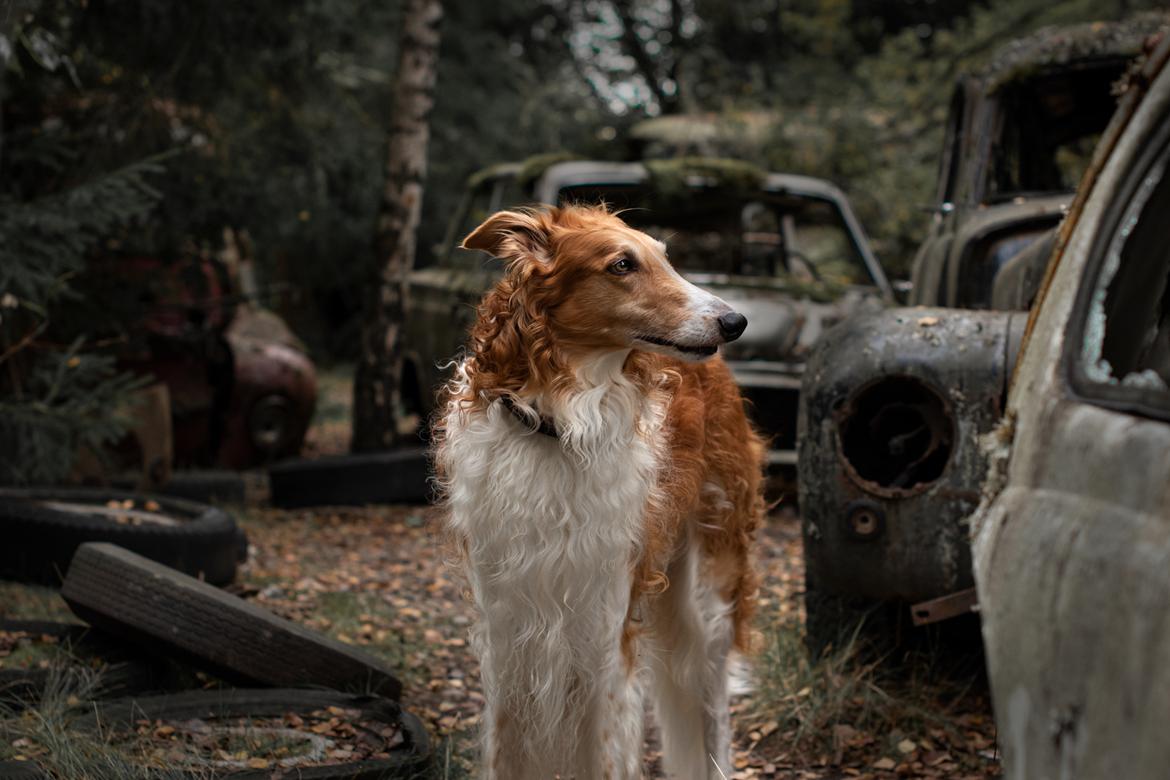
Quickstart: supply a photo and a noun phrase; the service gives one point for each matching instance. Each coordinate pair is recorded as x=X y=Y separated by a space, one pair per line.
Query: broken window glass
x=1127 y=335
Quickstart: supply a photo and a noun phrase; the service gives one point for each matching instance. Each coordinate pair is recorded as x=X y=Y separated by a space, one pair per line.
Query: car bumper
x=771 y=390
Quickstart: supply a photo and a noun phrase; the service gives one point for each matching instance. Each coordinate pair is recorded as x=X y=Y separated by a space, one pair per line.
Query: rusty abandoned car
x=1072 y=545
x=1019 y=134
x=895 y=402
x=241 y=388
x=787 y=251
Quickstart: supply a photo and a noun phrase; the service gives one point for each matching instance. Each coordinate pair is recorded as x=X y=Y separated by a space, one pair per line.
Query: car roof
x=551 y=173
x=582 y=172
x=1054 y=47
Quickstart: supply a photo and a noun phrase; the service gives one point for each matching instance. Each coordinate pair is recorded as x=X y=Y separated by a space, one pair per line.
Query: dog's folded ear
x=512 y=235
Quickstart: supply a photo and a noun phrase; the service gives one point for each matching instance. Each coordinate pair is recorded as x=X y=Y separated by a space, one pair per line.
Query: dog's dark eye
x=623 y=265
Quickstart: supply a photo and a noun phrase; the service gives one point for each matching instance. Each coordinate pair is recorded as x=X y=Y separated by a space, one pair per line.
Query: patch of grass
x=32 y=653
x=849 y=701
x=457 y=755
x=807 y=698
x=365 y=620
x=33 y=602
x=45 y=734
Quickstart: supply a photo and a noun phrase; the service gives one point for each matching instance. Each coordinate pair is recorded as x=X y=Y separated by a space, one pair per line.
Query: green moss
x=491 y=172
x=525 y=172
x=1053 y=47
x=671 y=178
x=535 y=166
x=33 y=602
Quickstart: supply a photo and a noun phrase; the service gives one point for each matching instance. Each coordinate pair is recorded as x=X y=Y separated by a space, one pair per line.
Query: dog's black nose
x=731 y=325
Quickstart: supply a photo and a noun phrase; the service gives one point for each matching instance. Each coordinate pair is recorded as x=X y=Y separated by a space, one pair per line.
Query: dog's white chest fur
x=551 y=528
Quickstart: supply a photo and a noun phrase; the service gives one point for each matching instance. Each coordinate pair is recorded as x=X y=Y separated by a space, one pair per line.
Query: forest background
x=171 y=130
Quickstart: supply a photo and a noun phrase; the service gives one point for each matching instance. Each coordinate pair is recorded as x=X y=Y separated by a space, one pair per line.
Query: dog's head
x=581 y=278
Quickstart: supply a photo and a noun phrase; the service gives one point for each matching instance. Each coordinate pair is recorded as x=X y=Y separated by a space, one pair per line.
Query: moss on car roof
x=526 y=171
x=532 y=168
x=672 y=177
x=1055 y=46
x=669 y=177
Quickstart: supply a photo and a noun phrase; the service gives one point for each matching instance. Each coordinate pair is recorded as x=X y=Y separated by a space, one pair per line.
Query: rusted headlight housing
x=896 y=436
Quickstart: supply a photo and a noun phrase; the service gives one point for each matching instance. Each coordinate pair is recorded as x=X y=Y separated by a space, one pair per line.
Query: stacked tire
x=43 y=527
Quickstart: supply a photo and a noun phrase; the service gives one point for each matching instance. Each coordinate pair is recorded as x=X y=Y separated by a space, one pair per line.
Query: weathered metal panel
x=1072 y=547
x=1075 y=594
x=892 y=405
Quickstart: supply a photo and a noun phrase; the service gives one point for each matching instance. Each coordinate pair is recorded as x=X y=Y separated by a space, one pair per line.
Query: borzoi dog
x=602 y=487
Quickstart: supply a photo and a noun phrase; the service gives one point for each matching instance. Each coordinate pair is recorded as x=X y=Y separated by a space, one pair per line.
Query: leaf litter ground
x=378 y=578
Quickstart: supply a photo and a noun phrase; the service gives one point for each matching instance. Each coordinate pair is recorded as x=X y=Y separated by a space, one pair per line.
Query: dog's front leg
x=693 y=637
x=610 y=743
x=505 y=754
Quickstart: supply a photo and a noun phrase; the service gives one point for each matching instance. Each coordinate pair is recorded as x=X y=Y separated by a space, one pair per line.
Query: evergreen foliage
x=276 y=113
x=55 y=399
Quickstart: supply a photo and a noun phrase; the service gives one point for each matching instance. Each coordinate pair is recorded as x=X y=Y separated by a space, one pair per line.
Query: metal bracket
x=952 y=605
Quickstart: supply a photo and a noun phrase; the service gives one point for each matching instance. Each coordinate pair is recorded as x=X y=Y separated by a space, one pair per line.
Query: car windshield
x=1048 y=127
x=755 y=234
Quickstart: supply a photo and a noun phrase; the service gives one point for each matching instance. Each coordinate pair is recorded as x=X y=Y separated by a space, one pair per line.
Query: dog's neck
x=541 y=424
x=600 y=410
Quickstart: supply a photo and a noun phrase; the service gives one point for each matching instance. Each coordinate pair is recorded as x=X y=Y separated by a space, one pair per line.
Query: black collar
x=545 y=426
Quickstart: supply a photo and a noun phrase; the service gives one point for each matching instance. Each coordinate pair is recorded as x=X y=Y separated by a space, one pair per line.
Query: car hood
x=785 y=318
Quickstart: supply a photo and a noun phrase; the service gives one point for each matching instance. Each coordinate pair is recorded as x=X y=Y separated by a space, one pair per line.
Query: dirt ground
x=376 y=577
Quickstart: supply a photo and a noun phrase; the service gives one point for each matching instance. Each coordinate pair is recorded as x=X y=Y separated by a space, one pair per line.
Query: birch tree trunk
x=377 y=397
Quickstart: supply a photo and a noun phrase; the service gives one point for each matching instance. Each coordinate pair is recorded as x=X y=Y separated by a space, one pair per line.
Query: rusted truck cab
x=1020 y=132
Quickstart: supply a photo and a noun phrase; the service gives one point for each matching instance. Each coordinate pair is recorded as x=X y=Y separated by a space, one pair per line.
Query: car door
x=444 y=295
x=929 y=261
x=1073 y=554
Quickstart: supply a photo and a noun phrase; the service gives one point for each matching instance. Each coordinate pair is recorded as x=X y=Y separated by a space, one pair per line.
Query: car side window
x=819 y=246
x=1125 y=346
x=948 y=166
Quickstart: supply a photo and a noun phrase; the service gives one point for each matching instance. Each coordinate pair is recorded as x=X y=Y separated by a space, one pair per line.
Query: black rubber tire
x=211 y=487
x=39 y=541
x=408 y=762
x=135 y=598
x=411 y=760
x=391 y=477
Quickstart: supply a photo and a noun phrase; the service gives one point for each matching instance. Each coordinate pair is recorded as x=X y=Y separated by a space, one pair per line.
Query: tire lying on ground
x=140 y=600
x=381 y=726
x=209 y=486
x=41 y=528
x=391 y=477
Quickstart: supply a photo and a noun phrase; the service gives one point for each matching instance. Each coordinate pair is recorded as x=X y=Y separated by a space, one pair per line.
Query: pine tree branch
x=24 y=341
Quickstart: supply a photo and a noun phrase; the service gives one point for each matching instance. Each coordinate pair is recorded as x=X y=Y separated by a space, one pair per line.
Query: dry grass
x=855 y=707
x=45 y=732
